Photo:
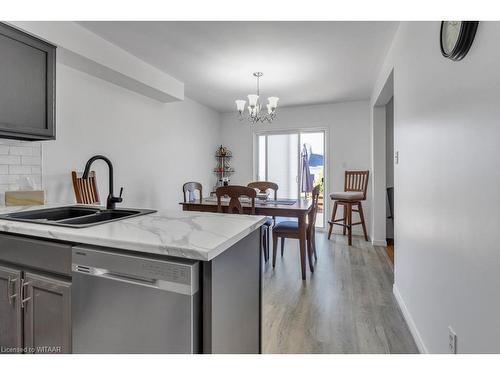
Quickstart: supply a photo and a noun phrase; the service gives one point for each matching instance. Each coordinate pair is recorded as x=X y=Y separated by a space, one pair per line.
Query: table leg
x=302 y=244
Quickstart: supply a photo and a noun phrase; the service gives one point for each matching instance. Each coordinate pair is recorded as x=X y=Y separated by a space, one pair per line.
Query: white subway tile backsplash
x=20 y=169
x=25 y=151
x=36 y=151
x=12 y=179
x=31 y=160
x=37 y=180
x=14 y=142
x=4 y=179
x=17 y=182
x=10 y=159
x=20 y=164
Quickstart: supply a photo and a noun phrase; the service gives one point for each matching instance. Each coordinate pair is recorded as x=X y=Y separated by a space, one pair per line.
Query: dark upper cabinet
x=27 y=86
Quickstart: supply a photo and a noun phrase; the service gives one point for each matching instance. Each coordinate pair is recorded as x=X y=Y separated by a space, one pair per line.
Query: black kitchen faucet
x=112 y=200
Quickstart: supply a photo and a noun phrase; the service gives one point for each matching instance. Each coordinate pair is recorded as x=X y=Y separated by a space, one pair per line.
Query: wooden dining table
x=296 y=208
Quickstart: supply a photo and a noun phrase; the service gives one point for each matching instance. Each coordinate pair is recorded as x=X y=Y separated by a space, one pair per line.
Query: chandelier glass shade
x=255 y=114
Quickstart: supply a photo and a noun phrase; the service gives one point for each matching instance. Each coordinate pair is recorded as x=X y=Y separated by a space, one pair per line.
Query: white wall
x=348 y=126
x=447 y=132
x=154 y=147
x=82 y=49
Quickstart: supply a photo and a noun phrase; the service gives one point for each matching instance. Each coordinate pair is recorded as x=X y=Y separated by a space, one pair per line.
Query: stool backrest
x=356 y=181
x=234 y=192
x=191 y=187
x=85 y=188
x=263 y=186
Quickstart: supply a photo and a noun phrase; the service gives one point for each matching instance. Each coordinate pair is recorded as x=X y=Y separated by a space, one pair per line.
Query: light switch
x=396 y=157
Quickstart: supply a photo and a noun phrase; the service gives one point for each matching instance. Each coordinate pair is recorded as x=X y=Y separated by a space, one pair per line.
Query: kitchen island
x=166 y=282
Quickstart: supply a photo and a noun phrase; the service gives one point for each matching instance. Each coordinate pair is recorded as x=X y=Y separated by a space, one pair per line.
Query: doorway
x=384 y=158
x=389 y=177
x=281 y=157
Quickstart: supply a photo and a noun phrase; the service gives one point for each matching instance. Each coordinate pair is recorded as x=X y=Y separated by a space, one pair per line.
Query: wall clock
x=456 y=38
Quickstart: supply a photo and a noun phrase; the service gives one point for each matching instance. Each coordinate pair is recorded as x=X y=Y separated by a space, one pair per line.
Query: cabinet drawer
x=38 y=254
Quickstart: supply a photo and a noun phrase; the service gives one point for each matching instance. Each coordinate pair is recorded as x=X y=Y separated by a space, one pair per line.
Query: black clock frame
x=464 y=42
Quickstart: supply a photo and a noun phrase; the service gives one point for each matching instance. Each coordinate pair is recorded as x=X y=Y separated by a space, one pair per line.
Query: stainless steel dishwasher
x=124 y=303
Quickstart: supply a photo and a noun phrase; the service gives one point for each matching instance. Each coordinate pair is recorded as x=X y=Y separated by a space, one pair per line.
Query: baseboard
x=409 y=321
x=379 y=242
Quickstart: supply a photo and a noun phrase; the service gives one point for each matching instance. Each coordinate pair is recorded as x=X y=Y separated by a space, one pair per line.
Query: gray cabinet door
x=47 y=314
x=27 y=86
x=10 y=310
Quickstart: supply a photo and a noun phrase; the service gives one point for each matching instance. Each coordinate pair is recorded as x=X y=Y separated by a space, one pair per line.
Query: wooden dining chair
x=191 y=187
x=355 y=187
x=263 y=187
x=235 y=192
x=290 y=229
x=85 y=188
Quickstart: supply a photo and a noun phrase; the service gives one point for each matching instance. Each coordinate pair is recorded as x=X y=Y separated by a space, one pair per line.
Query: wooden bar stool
x=355 y=186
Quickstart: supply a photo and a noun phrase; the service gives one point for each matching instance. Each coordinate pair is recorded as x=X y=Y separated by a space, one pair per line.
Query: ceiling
x=303 y=62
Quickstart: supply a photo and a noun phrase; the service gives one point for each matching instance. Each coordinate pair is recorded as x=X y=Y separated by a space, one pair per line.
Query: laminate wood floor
x=346 y=306
x=390 y=250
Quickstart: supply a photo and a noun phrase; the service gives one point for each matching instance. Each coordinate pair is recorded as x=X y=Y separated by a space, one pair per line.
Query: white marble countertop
x=185 y=234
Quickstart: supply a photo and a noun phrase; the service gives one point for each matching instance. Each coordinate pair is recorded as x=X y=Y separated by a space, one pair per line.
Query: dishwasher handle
x=132 y=279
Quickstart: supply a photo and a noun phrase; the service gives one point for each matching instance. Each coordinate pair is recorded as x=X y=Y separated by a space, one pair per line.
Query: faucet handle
x=121 y=192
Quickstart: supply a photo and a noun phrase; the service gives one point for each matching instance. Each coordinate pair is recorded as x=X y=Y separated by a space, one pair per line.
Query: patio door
x=280 y=158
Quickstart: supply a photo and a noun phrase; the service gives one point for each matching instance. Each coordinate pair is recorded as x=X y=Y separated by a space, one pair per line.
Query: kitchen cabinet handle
x=24 y=299
x=11 y=296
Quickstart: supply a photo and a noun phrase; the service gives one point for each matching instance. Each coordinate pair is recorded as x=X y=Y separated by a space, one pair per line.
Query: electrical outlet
x=452 y=341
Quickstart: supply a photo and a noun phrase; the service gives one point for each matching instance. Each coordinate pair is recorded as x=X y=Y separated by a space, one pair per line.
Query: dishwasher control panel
x=157 y=272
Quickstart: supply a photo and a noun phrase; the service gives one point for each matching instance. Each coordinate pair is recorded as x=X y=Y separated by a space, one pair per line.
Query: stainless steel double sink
x=74 y=216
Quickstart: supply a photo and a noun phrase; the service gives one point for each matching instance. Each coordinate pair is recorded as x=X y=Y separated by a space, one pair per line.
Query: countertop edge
x=47 y=232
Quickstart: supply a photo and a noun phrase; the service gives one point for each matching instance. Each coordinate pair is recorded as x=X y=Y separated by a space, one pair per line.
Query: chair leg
x=282 y=245
x=349 y=223
x=334 y=212
x=313 y=240
x=309 y=253
x=345 y=219
x=263 y=244
x=275 y=248
x=268 y=241
x=362 y=217
x=266 y=245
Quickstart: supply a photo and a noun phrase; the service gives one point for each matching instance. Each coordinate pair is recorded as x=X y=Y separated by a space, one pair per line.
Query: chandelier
x=254 y=107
